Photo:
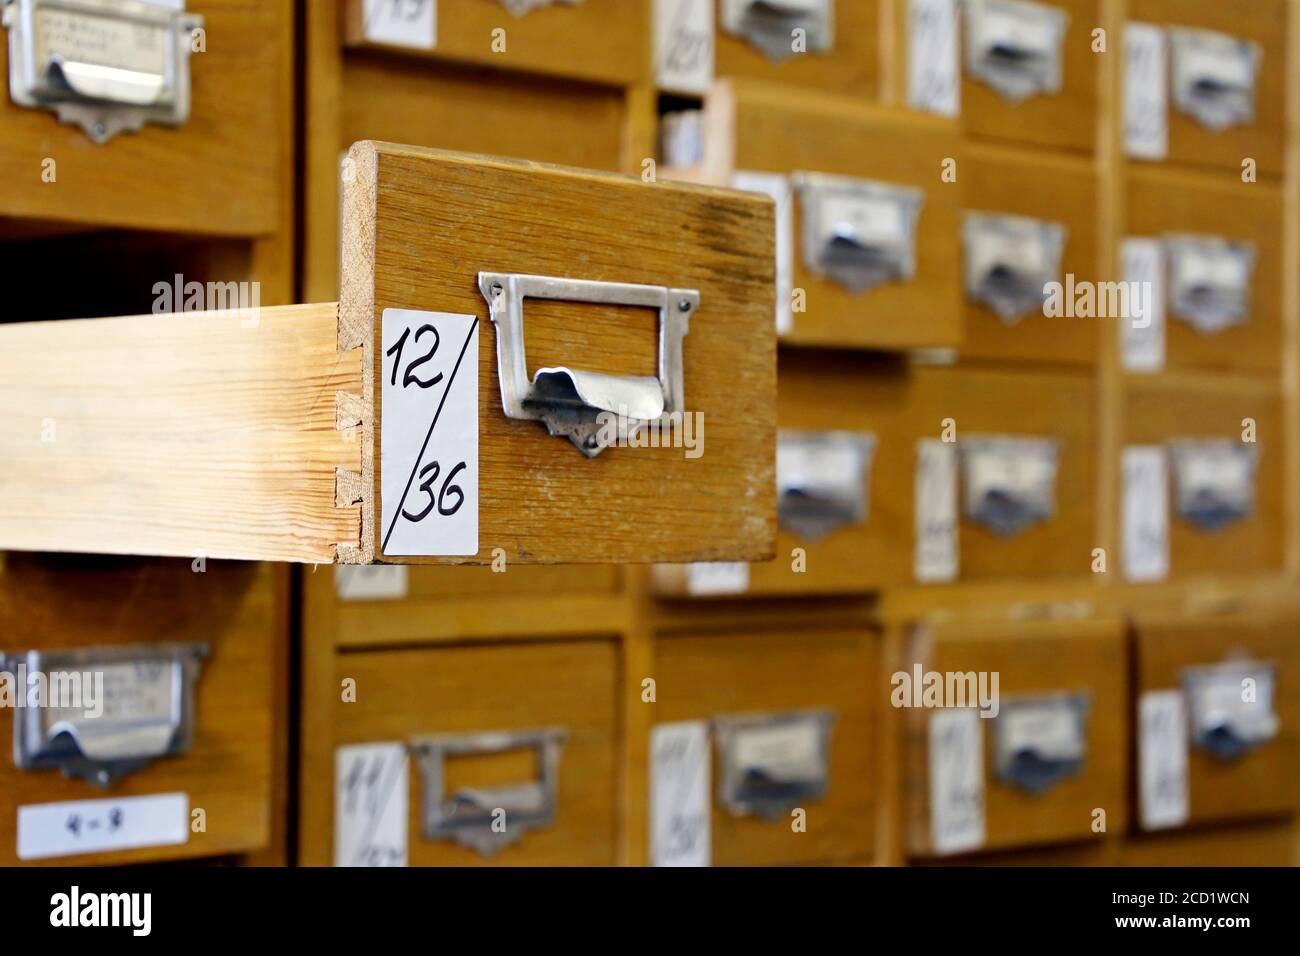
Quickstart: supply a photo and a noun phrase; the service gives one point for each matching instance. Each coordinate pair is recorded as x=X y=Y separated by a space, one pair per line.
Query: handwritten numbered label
x=778 y=187
x=956 y=780
x=100 y=826
x=1142 y=327
x=1146 y=91
x=684 y=45
x=936 y=552
x=370 y=582
x=1162 y=759
x=706 y=578
x=370 y=794
x=429 y=435
x=409 y=23
x=933 y=85
x=1146 y=513
x=679 y=794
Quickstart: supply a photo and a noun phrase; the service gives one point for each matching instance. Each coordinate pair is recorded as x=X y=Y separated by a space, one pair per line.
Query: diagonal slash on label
x=451 y=380
x=387 y=789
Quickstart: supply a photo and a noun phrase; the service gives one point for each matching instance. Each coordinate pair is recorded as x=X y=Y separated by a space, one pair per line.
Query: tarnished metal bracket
x=1230 y=707
x=1040 y=740
x=1214 y=481
x=1009 y=260
x=1214 y=77
x=772 y=763
x=1209 y=280
x=1008 y=482
x=488 y=819
x=823 y=481
x=1015 y=46
x=769 y=25
x=108 y=66
x=146 y=711
x=571 y=402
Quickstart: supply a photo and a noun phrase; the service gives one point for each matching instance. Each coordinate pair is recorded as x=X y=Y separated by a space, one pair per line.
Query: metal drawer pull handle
x=105 y=65
x=856 y=232
x=1009 y=262
x=1209 y=280
x=1214 y=481
x=1231 y=707
x=1214 y=76
x=1009 y=482
x=572 y=402
x=488 y=819
x=772 y=763
x=1016 y=47
x=144 y=708
x=521 y=7
x=1040 y=740
x=823 y=481
x=769 y=25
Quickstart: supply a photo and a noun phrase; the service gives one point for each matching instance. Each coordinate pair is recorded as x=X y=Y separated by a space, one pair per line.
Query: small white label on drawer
x=956 y=780
x=409 y=23
x=933 y=85
x=1162 y=759
x=1146 y=513
x=1146 y=91
x=102 y=826
x=684 y=45
x=936 y=552
x=429 y=433
x=778 y=187
x=370 y=582
x=706 y=578
x=1142 y=326
x=679 y=794
x=370 y=804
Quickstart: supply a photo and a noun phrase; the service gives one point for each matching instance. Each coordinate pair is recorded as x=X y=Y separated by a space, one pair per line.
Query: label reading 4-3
x=429 y=434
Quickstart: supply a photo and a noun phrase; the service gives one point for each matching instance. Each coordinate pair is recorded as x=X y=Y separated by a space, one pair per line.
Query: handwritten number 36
x=429 y=476
x=410 y=377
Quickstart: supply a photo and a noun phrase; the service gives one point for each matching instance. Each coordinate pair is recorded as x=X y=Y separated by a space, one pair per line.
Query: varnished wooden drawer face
x=236 y=609
x=1033 y=662
x=706 y=676
x=480 y=689
x=1161 y=202
x=985 y=402
x=1262 y=22
x=851 y=65
x=1053 y=189
x=221 y=173
x=598 y=41
x=1066 y=119
x=1157 y=414
x=1252 y=844
x=1264 y=781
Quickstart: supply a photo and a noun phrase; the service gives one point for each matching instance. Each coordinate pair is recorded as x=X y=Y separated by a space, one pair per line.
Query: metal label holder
x=1214 y=481
x=769 y=25
x=1209 y=281
x=1041 y=740
x=823 y=481
x=1009 y=482
x=1214 y=77
x=772 y=763
x=1009 y=260
x=1016 y=47
x=1223 y=724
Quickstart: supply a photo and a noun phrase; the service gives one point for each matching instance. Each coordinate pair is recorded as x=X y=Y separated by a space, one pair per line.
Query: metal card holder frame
x=1214 y=480
x=576 y=404
x=1008 y=481
x=108 y=66
x=147 y=712
x=823 y=480
x=470 y=817
x=1209 y=280
x=1041 y=739
x=769 y=25
x=1009 y=260
x=1214 y=77
x=1224 y=723
x=771 y=763
x=1016 y=47
x=858 y=233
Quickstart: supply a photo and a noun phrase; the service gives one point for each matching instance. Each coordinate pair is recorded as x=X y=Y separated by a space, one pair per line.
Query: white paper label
x=786 y=751
x=102 y=826
x=1142 y=328
x=936 y=555
x=370 y=804
x=408 y=23
x=684 y=45
x=1162 y=759
x=778 y=187
x=370 y=582
x=679 y=794
x=704 y=578
x=933 y=84
x=429 y=434
x=1146 y=513
x=1146 y=91
x=956 y=780
x=1049 y=728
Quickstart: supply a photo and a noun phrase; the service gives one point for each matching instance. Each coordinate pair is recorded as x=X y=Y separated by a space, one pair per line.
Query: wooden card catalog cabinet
x=555 y=365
